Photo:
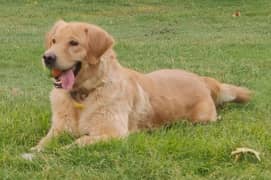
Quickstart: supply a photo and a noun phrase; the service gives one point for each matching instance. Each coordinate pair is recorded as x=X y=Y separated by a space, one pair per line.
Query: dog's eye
x=53 y=41
x=73 y=43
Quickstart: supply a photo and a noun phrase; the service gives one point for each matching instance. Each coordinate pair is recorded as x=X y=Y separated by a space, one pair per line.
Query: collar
x=80 y=94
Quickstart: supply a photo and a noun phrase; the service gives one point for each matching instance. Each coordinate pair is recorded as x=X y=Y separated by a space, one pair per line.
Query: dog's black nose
x=49 y=59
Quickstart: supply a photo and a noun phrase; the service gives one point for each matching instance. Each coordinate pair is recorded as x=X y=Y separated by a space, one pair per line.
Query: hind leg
x=204 y=111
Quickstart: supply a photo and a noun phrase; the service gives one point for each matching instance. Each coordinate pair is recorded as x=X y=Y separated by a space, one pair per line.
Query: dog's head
x=68 y=45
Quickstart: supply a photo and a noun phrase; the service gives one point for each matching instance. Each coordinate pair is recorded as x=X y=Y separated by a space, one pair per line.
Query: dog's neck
x=94 y=76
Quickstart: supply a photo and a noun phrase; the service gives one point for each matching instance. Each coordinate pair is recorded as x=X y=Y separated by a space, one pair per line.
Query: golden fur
x=119 y=100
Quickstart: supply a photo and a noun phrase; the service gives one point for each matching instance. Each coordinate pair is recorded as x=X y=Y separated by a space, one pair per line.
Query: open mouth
x=65 y=78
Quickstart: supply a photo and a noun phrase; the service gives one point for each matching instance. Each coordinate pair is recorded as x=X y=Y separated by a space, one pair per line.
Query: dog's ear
x=98 y=42
x=49 y=35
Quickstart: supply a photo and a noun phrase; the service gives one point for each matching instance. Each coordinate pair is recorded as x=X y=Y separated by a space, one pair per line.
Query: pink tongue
x=67 y=79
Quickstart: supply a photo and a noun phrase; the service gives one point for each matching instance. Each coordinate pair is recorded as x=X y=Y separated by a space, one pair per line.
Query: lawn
x=196 y=35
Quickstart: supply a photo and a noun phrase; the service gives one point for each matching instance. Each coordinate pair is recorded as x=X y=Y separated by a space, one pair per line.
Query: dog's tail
x=222 y=92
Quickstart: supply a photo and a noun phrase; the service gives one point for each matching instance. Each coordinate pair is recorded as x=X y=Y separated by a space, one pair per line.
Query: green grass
x=200 y=36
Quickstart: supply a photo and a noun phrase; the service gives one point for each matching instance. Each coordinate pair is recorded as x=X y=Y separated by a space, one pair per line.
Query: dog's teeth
x=58 y=86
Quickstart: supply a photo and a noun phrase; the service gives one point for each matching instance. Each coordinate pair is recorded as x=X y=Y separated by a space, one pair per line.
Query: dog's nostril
x=49 y=59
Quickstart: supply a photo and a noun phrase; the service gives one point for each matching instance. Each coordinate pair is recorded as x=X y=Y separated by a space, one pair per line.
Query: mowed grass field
x=196 y=35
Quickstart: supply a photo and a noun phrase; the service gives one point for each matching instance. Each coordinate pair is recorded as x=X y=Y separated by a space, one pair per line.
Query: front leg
x=64 y=117
x=102 y=126
x=45 y=140
x=59 y=125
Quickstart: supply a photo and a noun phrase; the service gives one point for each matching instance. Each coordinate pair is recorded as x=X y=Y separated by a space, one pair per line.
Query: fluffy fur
x=118 y=100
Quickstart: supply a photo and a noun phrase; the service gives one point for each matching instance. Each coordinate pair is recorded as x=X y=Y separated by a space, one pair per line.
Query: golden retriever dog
x=95 y=98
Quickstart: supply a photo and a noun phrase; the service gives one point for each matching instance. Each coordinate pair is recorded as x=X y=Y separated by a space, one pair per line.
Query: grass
x=200 y=36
